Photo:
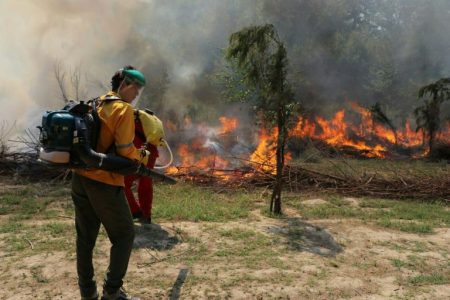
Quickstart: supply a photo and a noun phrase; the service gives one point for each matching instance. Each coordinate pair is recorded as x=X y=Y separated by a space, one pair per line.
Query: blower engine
x=68 y=137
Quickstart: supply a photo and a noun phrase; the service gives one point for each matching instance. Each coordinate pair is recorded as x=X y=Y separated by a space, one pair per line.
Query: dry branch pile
x=426 y=188
x=18 y=157
x=296 y=179
x=299 y=179
x=26 y=165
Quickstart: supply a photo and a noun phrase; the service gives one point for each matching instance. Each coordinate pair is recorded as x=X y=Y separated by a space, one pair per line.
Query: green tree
x=428 y=114
x=260 y=57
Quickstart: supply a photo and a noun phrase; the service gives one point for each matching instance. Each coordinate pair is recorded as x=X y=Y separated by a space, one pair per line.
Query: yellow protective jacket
x=117 y=128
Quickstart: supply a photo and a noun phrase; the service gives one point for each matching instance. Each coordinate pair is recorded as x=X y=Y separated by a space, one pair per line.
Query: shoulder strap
x=96 y=124
x=138 y=133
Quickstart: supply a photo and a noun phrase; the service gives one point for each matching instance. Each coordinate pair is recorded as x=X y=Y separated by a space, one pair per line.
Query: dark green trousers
x=99 y=203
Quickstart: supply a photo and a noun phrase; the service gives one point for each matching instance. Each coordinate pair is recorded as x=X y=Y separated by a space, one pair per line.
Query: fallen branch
x=29 y=242
x=162 y=259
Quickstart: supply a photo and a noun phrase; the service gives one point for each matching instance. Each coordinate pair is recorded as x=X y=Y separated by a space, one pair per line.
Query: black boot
x=118 y=295
x=137 y=215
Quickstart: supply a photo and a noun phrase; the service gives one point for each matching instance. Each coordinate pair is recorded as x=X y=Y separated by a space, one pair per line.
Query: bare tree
x=73 y=84
x=60 y=76
x=97 y=83
x=5 y=131
x=77 y=83
x=75 y=78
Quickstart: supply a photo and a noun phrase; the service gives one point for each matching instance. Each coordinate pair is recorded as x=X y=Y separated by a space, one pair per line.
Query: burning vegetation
x=231 y=156
x=259 y=59
x=228 y=147
x=336 y=51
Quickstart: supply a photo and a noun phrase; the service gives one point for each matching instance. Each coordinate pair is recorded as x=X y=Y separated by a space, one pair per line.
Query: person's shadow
x=154 y=237
x=301 y=236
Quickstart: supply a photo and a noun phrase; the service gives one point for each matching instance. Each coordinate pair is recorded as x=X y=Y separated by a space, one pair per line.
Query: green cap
x=135 y=76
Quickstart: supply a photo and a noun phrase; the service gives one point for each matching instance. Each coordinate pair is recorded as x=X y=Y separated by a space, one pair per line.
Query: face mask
x=140 y=90
x=135 y=101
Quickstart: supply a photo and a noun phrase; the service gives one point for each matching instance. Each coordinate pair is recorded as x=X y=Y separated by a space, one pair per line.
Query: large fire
x=211 y=149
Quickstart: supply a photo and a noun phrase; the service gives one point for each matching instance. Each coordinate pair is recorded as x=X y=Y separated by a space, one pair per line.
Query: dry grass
x=210 y=245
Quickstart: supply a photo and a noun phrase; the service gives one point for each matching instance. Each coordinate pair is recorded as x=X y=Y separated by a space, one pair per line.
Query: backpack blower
x=68 y=138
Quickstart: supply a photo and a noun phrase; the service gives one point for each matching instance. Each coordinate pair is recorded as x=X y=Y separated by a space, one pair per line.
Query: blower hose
x=171 y=157
x=110 y=162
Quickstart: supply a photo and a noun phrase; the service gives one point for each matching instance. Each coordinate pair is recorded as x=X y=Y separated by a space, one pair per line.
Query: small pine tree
x=428 y=114
x=260 y=56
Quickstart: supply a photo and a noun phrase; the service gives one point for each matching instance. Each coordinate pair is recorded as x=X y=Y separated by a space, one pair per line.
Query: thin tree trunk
x=275 y=202
x=431 y=141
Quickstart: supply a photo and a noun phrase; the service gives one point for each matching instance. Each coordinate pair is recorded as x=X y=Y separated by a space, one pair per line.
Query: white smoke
x=37 y=35
x=183 y=38
x=99 y=37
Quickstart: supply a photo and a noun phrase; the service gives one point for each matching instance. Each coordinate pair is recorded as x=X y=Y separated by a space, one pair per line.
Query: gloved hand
x=145 y=154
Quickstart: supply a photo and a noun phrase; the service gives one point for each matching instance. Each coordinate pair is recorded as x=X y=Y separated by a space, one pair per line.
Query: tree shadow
x=153 y=236
x=301 y=236
x=176 y=288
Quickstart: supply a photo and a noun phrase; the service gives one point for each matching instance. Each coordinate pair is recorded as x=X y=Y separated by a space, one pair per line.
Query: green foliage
x=428 y=114
x=439 y=90
x=230 y=80
x=262 y=60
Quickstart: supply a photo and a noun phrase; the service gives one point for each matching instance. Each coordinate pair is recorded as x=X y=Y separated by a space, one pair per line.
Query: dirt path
x=255 y=258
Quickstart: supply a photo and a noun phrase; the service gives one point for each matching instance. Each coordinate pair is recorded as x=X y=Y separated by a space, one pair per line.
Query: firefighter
x=141 y=209
x=98 y=195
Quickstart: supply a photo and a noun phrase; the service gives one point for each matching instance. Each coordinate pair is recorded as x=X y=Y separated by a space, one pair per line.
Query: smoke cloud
x=178 y=44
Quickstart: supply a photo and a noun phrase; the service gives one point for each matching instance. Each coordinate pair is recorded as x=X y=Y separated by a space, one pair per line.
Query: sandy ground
x=313 y=259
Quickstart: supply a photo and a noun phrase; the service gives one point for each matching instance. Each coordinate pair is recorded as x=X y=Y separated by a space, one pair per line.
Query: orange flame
x=303 y=128
x=403 y=136
x=228 y=125
x=265 y=154
x=172 y=170
x=370 y=138
x=334 y=133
